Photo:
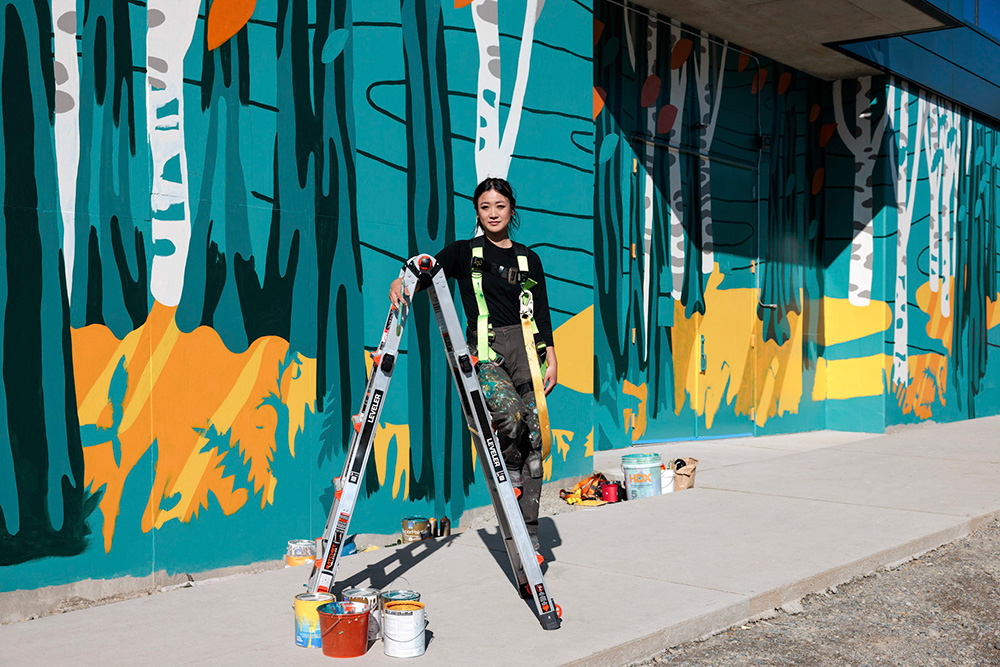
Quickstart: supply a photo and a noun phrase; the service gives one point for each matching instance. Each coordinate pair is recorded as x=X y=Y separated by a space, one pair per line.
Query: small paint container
x=368 y=596
x=307 y=634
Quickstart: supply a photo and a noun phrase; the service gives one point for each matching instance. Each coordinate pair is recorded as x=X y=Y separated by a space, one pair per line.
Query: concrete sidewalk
x=770 y=520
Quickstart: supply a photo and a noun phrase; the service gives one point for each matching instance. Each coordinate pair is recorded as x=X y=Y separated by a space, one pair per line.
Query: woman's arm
x=550 y=379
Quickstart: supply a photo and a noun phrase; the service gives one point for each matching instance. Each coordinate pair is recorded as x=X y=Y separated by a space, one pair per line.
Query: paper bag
x=684 y=470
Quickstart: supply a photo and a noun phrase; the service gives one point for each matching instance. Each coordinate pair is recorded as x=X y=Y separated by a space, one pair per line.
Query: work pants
x=510 y=397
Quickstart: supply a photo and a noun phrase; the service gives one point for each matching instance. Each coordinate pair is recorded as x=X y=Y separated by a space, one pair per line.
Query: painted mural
x=776 y=253
x=204 y=204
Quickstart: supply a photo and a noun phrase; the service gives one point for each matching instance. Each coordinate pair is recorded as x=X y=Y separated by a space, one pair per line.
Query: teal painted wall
x=188 y=303
x=753 y=285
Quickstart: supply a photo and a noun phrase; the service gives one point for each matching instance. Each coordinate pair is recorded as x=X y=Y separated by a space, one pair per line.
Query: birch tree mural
x=67 y=125
x=708 y=81
x=863 y=142
x=907 y=178
x=493 y=149
x=679 y=46
x=171 y=26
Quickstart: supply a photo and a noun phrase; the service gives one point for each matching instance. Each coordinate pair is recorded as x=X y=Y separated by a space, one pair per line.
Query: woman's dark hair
x=501 y=187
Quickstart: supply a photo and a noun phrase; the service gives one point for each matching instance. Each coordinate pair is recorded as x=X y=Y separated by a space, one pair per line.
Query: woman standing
x=492 y=270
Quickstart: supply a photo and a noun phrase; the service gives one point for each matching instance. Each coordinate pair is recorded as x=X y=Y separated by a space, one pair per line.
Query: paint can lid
x=641 y=459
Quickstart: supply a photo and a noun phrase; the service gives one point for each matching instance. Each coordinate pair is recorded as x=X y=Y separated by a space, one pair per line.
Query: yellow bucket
x=307 y=618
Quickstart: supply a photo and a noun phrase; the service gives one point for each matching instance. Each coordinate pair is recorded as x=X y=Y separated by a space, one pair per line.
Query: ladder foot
x=550 y=621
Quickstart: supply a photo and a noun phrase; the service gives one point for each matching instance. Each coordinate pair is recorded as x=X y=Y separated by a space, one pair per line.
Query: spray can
x=445 y=530
x=432 y=526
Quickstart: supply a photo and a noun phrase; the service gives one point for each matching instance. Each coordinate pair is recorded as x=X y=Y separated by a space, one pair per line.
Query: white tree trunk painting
x=171 y=25
x=708 y=80
x=675 y=186
x=864 y=143
x=649 y=187
x=493 y=153
x=935 y=171
x=949 y=203
x=907 y=178
x=67 y=125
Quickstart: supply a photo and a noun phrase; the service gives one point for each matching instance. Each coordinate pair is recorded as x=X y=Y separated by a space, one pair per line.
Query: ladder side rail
x=338 y=522
x=516 y=539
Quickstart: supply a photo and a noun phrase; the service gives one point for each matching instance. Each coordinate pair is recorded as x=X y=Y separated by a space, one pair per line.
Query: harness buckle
x=478 y=264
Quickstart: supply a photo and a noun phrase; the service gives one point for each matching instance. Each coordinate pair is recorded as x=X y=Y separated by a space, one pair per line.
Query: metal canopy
x=795 y=32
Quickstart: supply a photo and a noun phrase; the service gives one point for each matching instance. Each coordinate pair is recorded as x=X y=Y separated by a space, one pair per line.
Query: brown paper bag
x=684 y=475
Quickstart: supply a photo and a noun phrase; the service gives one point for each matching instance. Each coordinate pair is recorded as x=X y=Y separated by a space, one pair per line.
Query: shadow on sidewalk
x=548 y=538
x=394 y=566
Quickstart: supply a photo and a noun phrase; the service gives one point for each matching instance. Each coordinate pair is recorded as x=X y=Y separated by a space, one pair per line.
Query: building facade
x=204 y=204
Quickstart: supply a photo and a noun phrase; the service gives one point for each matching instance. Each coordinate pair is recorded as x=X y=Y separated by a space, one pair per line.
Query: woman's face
x=494 y=212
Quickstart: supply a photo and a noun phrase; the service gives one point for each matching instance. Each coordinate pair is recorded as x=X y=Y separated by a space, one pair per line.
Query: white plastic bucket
x=666 y=480
x=403 y=625
x=642 y=475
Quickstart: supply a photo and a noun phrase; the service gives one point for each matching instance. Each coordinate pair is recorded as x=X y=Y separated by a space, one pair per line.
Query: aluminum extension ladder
x=423 y=270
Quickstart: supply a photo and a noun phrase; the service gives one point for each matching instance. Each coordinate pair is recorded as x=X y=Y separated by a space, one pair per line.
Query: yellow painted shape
x=588 y=444
x=928 y=382
x=562 y=438
x=860 y=376
x=384 y=435
x=299 y=391
x=198 y=462
x=574 y=343
x=638 y=392
x=196 y=382
x=150 y=374
x=938 y=326
x=819 y=381
x=96 y=399
x=845 y=322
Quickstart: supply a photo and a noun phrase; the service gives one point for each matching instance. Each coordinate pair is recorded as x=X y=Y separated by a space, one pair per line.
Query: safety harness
x=529 y=328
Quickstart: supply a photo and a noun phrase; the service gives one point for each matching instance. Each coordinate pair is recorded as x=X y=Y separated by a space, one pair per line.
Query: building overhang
x=801 y=33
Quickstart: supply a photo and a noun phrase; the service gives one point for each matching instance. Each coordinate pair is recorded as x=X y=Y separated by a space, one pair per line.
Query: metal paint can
x=403 y=630
x=414 y=528
x=368 y=596
x=307 y=618
x=300 y=552
x=404 y=595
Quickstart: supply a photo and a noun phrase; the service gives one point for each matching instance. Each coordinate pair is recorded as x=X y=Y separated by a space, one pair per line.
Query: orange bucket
x=343 y=628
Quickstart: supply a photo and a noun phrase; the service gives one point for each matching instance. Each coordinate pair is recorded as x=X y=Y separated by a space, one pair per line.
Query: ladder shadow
x=381 y=574
x=548 y=538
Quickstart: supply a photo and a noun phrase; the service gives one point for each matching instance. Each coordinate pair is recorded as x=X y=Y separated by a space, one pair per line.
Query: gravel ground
x=940 y=609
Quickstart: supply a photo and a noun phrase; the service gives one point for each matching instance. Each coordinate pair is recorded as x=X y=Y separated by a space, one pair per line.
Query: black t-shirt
x=502 y=298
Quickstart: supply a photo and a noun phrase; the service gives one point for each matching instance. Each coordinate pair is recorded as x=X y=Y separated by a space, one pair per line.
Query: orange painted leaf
x=784 y=81
x=814 y=113
x=680 y=53
x=599 y=96
x=759 y=79
x=817 y=183
x=598 y=28
x=665 y=118
x=462 y=3
x=650 y=91
x=225 y=19
x=744 y=60
x=826 y=133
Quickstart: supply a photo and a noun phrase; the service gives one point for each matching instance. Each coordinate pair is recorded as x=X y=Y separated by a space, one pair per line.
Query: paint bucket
x=404 y=595
x=609 y=492
x=403 y=628
x=666 y=480
x=368 y=596
x=300 y=552
x=343 y=627
x=307 y=619
x=415 y=528
x=642 y=475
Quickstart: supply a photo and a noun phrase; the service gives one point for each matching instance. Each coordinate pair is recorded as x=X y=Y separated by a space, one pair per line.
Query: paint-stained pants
x=510 y=397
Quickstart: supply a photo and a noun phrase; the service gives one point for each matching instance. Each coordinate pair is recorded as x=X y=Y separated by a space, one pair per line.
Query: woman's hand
x=549 y=381
x=396 y=292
